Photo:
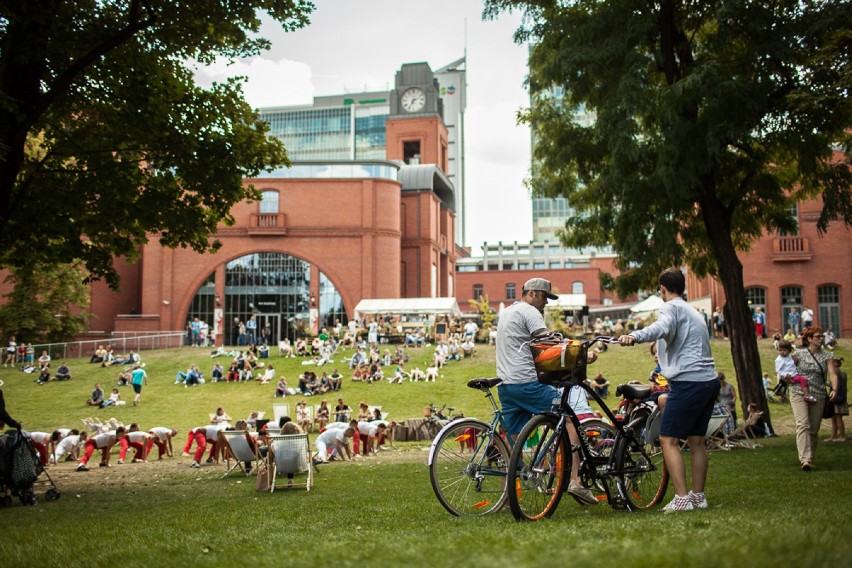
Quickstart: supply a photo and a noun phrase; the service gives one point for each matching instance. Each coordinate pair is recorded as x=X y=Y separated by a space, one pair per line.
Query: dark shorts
x=137 y=389
x=688 y=408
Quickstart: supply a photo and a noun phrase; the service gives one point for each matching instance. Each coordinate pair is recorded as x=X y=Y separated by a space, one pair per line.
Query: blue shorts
x=521 y=401
x=688 y=408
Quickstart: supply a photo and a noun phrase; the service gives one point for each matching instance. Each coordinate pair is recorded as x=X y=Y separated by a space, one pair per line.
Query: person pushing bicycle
x=521 y=394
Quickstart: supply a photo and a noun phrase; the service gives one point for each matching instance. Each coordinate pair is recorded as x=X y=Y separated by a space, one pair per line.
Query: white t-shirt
x=161 y=432
x=137 y=436
x=40 y=437
x=331 y=436
x=103 y=440
x=337 y=426
x=368 y=428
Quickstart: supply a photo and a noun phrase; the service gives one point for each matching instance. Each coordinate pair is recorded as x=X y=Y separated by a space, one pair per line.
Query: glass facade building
x=333 y=128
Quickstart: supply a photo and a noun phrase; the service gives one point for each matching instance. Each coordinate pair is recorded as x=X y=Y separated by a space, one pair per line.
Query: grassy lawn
x=763 y=510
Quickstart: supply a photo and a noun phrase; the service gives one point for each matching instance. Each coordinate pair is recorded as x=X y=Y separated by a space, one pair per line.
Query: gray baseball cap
x=542 y=285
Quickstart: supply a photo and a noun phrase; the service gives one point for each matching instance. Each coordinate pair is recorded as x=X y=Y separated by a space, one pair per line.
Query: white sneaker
x=698 y=501
x=678 y=504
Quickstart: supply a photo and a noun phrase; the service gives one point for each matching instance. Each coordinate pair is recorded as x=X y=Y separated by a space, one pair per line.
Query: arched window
x=269 y=202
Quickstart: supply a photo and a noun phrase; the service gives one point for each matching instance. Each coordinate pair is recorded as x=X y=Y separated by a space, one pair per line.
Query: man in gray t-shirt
x=521 y=395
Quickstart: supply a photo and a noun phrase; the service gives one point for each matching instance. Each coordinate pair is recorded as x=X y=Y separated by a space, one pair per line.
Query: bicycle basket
x=559 y=361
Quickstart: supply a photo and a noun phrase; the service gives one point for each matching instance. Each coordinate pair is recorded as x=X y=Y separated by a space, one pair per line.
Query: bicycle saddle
x=483 y=384
x=637 y=392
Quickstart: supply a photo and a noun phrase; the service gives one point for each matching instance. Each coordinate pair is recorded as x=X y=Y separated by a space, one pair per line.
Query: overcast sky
x=358 y=45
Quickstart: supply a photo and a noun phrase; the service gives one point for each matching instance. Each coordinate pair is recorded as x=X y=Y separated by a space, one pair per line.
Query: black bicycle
x=629 y=474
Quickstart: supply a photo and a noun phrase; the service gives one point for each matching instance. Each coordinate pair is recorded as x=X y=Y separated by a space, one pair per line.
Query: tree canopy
x=709 y=120
x=105 y=139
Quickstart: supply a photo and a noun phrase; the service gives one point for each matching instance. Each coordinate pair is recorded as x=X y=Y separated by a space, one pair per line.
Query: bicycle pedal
x=618 y=503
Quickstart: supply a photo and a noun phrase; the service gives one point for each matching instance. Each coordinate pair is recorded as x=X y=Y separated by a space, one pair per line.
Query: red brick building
x=782 y=272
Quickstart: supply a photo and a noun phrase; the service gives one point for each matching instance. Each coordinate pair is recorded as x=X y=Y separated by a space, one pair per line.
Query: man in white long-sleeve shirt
x=683 y=349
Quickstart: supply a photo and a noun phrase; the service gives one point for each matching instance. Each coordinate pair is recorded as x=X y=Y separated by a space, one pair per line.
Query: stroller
x=20 y=470
x=778 y=393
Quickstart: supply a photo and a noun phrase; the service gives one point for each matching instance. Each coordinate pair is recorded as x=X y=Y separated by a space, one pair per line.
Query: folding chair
x=740 y=437
x=237 y=446
x=280 y=409
x=290 y=455
x=715 y=438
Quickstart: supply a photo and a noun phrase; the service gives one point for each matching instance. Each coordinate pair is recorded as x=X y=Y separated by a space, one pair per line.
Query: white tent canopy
x=650 y=304
x=568 y=302
x=426 y=306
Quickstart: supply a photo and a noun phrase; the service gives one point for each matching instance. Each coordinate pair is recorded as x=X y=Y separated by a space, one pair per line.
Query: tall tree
x=49 y=303
x=711 y=118
x=105 y=139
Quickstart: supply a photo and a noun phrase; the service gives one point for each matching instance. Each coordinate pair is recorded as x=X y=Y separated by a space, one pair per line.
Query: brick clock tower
x=415 y=129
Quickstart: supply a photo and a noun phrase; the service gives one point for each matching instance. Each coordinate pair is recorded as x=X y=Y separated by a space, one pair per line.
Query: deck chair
x=290 y=455
x=715 y=438
x=280 y=409
x=372 y=410
x=740 y=437
x=235 y=445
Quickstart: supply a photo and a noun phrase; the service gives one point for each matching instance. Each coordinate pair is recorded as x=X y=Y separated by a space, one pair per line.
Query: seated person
x=63 y=373
x=303 y=416
x=416 y=374
x=305 y=382
x=263 y=351
x=468 y=348
x=217 y=373
x=281 y=387
x=301 y=348
x=99 y=354
x=600 y=385
x=124 y=377
x=44 y=360
x=43 y=375
x=268 y=375
x=336 y=380
x=97 y=397
x=342 y=412
x=114 y=399
x=455 y=351
x=233 y=372
x=220 y=417
x=323 y=415
x=285 y=349
x=432 y=372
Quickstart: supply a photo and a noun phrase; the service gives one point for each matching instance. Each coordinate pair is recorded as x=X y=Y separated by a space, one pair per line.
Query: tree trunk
x=738 y=316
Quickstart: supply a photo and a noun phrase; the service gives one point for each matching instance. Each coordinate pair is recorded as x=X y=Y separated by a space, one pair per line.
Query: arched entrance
x=275 y=289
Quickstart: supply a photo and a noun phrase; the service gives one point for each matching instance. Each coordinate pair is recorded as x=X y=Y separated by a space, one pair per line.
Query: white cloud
x=270 y=83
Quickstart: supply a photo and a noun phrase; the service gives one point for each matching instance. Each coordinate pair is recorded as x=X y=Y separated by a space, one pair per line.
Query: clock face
x=413 y=100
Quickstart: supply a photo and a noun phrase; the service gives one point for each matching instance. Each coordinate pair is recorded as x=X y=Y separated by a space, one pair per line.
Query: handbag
x=263 y=480
x=828 y=407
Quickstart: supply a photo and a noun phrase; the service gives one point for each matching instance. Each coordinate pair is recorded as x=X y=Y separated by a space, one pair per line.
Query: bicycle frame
x=597 y=469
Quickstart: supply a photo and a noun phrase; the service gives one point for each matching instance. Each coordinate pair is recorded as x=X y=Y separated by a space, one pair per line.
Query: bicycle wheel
x=538 y=469
x=468 y=468
x=642 y=475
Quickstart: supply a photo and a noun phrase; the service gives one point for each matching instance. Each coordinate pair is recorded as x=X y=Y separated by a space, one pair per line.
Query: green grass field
x=763 y=510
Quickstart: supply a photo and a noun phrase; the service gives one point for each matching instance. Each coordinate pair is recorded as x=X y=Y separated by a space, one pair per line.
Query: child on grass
x=786 y=369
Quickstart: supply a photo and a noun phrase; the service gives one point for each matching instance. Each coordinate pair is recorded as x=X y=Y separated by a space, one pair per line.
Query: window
x=793 y=211
x=411 y=152
x=493 y=266
x=555 y=265
x=756 y=298
x=791 y=297
x=508 y=265
x=510 y=290
x=828 y=298
x=523 y=266
x=477 y=291
x=539 y=265
x=269 y=202
x=538 y=249
x=576 y=287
